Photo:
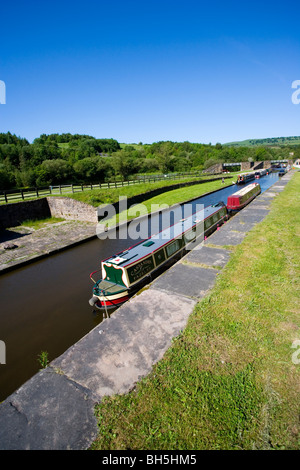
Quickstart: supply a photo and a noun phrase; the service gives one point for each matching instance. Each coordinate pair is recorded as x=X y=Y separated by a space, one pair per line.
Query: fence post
x=37 y=192
x=5 y=197
x=82 y=187
x=22 y=194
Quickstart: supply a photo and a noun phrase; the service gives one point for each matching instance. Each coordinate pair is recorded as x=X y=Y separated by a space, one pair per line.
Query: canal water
x=44 y=306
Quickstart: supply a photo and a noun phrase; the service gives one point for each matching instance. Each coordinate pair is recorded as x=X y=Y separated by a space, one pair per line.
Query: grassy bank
x=95 y=197
x=168 y=198
x=229 y=381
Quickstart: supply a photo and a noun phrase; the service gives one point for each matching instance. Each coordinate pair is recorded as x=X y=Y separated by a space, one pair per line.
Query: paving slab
x=249 y=216
x=123 y=348
x=191 y=281
x=48 y=412
x=227 y=237
x=215 y=257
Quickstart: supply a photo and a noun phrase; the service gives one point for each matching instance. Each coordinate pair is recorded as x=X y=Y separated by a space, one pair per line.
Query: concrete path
x=32 y=245
x=55 y=408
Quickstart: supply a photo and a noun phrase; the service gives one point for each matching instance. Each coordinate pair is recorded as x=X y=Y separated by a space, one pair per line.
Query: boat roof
x=245 y=190
x=156 y=241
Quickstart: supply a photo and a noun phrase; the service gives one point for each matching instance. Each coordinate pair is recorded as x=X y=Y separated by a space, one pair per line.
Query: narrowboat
x=245 y=177
x=282 y=171
x=260 y=173
x=124 y=274
x=296 y=165
x=241 y=198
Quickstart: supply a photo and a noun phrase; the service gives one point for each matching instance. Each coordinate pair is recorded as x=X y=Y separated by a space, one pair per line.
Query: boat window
x=207 y=223
x=173 y=247
x=190 y=235
x=159 y=257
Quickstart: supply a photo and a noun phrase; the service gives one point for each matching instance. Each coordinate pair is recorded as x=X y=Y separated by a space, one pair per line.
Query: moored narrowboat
x=282 y=171
x=124 y=274
x=241 y=198
x=245 y=177
x=260 y=173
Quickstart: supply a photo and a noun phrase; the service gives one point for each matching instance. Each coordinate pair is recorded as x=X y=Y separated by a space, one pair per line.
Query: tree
x=55 y=171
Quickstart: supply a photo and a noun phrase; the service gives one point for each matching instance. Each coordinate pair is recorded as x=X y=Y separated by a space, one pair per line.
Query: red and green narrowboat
x=124 y=274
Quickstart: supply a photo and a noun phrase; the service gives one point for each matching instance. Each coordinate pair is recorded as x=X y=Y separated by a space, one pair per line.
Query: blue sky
x=150 y=70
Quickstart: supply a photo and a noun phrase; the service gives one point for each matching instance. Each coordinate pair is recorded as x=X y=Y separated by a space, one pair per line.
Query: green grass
x=175 y=196
x=95 y=197
x=36 y=224
x=273 y=141
x=228 y=381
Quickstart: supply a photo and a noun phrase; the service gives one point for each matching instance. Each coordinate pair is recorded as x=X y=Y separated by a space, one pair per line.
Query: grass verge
x=36 y=224
x=167 y=199
x=95 y=197
x=229 y=381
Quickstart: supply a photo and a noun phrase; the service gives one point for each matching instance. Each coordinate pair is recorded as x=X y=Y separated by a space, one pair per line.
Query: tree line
x=75 y=158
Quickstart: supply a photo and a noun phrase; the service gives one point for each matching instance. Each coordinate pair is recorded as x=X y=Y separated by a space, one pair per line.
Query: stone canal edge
x=54 y=410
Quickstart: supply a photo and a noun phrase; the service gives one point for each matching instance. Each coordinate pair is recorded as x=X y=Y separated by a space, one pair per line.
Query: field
x=271 y=141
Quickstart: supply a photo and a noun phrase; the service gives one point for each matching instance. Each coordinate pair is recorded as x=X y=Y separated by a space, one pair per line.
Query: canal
x=44 y=306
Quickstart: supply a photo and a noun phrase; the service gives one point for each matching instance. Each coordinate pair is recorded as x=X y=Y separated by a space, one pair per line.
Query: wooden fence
x=32 y=193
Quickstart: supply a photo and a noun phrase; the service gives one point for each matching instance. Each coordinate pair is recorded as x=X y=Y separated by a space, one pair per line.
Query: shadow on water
x=44 y=306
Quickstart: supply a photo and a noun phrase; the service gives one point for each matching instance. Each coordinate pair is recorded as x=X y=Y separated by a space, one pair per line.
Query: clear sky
x=150 y=70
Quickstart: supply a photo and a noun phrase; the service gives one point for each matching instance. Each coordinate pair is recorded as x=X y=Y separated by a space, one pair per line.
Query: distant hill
x=270 y=142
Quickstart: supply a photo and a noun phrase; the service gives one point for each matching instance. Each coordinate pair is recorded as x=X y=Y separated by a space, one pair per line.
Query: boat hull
x=240 y=199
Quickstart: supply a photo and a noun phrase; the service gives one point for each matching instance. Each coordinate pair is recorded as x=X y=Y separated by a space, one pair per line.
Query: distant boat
x=260 y=173
x=241 y=198
x=296 y=165
x=282 y=171
x=244 y=177
x=124 y=274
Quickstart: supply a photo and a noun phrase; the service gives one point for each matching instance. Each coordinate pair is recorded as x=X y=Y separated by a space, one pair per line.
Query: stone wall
x=214 y=169
x=12 y=215
x=70 y=209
